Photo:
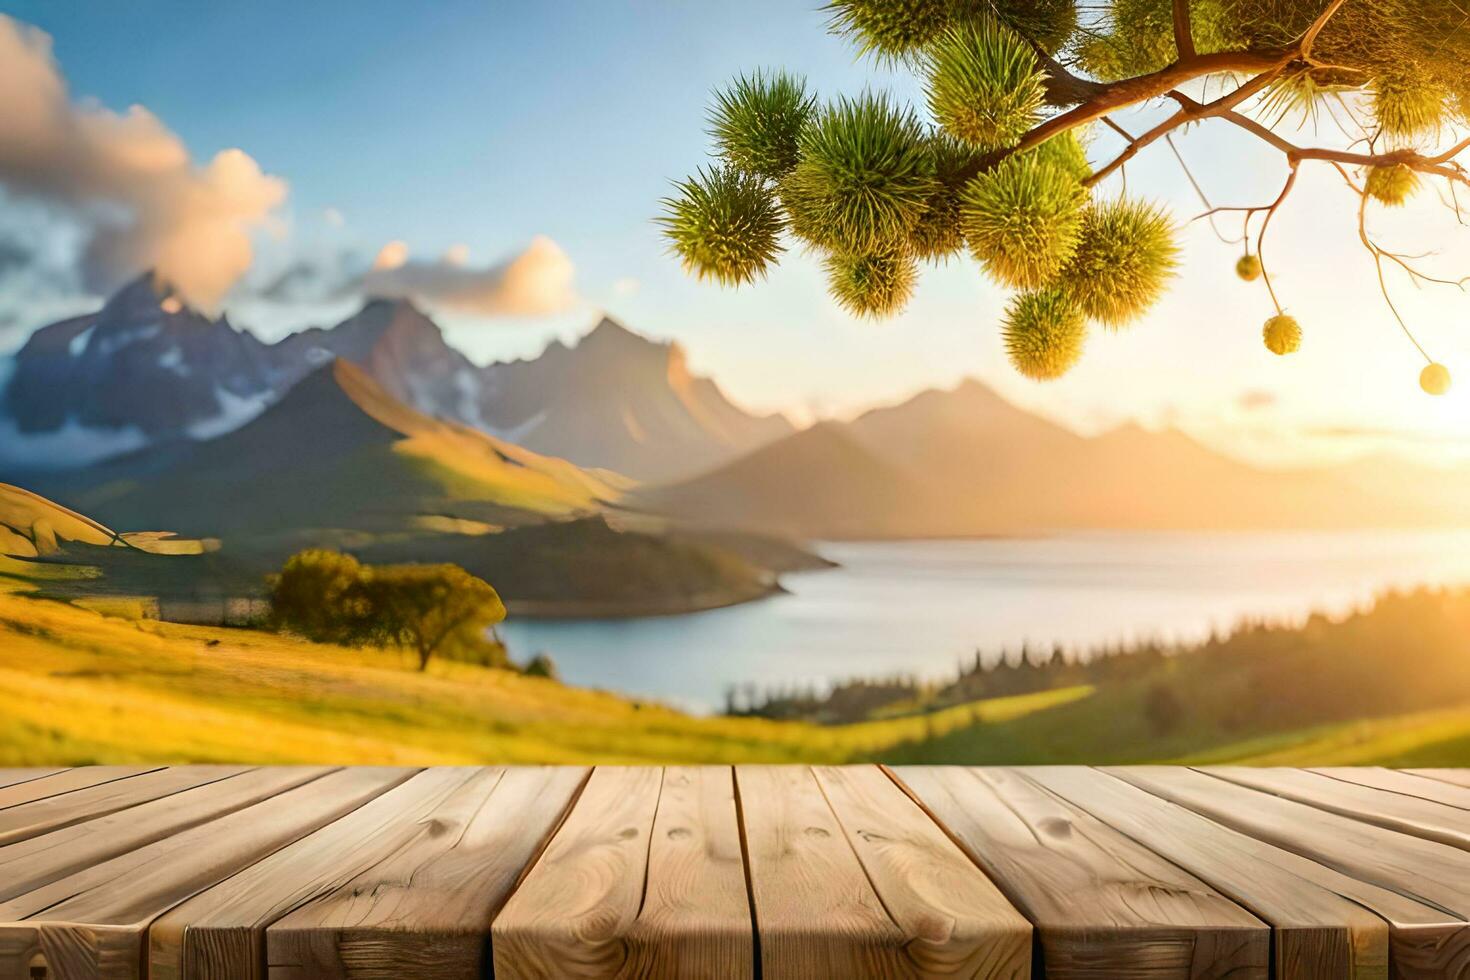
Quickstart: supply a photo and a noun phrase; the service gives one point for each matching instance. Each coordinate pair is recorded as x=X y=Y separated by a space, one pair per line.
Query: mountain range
x=146 y=370
x=965 y=462
x=377 y=425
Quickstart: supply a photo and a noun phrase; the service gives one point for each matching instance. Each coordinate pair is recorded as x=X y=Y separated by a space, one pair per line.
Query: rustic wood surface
x=291 y=873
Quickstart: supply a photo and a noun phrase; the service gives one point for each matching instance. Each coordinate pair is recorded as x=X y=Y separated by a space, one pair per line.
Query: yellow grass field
x=82 y=687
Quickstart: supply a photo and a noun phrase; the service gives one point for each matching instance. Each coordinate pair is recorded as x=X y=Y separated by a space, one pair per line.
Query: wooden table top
x=757 y=871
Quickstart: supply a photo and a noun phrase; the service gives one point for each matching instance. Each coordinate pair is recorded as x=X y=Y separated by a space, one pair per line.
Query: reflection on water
x=921 y=607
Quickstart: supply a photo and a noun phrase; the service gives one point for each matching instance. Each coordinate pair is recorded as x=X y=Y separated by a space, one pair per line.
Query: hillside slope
x=33 y=527
x=337 y=452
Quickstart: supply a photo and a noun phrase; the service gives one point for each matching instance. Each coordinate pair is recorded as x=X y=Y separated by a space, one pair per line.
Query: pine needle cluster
x=876 y=286
x=1023 y=219
x=1407 y=103
x=1124 y=259
x=865 y=176
x=1044 y=333
x=984 y=84
x=1392 y=185
x=757 y=121
x=723 y=225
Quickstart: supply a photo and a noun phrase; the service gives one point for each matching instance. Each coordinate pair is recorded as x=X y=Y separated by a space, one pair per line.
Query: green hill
x=339 y=452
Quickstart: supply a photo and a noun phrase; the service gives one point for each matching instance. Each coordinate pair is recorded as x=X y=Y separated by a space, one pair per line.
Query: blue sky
x=487 y=124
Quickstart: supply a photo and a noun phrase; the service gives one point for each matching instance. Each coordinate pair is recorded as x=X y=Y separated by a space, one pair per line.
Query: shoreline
x=615 y=610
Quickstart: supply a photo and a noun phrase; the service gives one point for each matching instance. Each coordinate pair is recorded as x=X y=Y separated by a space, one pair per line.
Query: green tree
x=330 y=597
x=428 y=608
x=318 y=594
x=1019 y=94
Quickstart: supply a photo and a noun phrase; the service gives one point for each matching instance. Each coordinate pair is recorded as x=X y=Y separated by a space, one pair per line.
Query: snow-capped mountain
x=146 y=369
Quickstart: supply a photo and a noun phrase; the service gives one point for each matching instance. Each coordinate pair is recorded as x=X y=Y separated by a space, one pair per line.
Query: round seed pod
x=1435 y=379
x=1283 y=335
x=1124 y=259
x=1248 y=268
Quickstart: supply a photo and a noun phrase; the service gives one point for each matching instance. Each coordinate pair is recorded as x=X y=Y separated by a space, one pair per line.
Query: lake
x=922 y=607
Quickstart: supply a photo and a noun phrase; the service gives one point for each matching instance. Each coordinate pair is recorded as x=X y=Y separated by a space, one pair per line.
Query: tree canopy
x=330 y=597
x=1001 y=162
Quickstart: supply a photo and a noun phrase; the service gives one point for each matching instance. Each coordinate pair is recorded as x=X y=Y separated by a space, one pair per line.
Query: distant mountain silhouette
x=146 y=370
x=966 y=462
x=618 y=400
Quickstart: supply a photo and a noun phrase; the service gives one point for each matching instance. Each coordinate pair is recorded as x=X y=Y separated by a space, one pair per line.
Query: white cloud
x=626 y=286
x=390 y=257
x=127 y=178
x=537 y=282
x=333 y=217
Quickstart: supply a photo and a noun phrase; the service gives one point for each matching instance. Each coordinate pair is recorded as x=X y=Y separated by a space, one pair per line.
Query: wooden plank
x=426 y=909
x=66 y=781
x=32 y=863
x=957 y=922
x=1457 y=777
x=220 y=933
x=1103 y=905
x=1394 y=811
x=10 y=777
x=1426 y=871
x=644 y=879
x=1396 y=781
x=1324 y=923
x=821 y=912
x=91 y=925
x=42 y=816
x=816 y=913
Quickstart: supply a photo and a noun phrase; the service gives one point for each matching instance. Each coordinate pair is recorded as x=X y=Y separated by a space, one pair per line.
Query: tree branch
x=1309 y=37
x=1261 y=238
x=1437 y=165
x=1183 y=39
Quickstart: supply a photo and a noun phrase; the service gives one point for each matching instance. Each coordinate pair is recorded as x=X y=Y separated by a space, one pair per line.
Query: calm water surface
x=921 y=607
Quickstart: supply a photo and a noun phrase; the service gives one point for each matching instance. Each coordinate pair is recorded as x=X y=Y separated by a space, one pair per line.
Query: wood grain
x=31 y=863
x=20 y=822
x=64 y=781
x=1426 y=871
x=1392 y=810
x=91 y=924
x=426 y=908
x=1103 y=905
x=644 y=879
x=956 y=922
x=1324 y=923
x=219 y=934
x=9 y=777
x=1457 y=777
x=817 y=912
x=1397 y=781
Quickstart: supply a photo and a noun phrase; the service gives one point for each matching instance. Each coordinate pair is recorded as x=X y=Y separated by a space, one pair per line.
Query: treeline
x=1408 y=652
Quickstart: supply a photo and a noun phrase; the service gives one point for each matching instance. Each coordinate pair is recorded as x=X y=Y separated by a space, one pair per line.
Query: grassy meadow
x=99 y=685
